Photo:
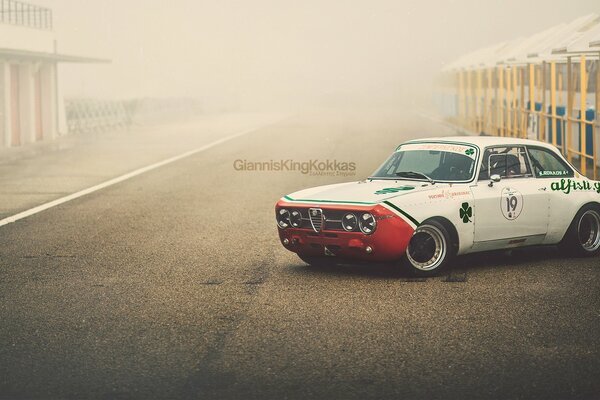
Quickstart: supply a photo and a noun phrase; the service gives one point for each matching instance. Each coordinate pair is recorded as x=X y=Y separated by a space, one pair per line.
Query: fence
x=551 y=102
x=553 y=99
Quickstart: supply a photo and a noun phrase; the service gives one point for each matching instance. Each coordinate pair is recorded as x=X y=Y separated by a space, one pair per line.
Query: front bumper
x=387 y=243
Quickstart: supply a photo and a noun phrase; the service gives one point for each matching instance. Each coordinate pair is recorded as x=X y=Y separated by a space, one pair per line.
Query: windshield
x=437 y=161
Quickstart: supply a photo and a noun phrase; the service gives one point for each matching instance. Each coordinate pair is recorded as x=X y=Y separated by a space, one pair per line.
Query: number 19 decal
x=511 y=203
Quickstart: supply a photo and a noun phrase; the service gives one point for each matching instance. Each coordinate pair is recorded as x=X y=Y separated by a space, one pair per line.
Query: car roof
x=484 y=141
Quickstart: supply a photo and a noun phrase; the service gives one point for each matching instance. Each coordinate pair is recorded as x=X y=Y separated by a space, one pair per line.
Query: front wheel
x=429 y=250
x=583 y=236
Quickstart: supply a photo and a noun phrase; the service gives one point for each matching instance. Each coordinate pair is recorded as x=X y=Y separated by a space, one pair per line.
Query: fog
x=280 y=53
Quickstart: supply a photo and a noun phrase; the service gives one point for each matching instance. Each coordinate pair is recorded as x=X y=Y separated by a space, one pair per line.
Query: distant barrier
x=91 y=115
x=87 y=115
x=156 y=110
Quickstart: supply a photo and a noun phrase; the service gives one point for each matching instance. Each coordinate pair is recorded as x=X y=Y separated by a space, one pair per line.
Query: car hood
x=367 y=192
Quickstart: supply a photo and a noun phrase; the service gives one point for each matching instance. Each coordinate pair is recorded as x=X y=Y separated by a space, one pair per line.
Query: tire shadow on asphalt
x=528 y=257
x=523 y=257
x=381 y=271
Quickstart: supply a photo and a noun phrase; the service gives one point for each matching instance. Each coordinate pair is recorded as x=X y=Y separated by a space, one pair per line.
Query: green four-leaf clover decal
x=469 y=152
x=394 y=189
x=466 y=212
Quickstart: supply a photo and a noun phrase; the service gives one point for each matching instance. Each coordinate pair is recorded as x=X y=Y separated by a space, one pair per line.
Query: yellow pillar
x=508 y=102
x=553 y=99
x=461 y=99
x=470 y=113
x=510 y=96
x=543 y=115
x=570 y=94
x=489 y=93
x=522 y=113
x=479 y=101
x=531 y=88
x=532 y=91
x=500 y=101
x=597 y=118
x=559 y=102
x=514 y=103
x=583 y=97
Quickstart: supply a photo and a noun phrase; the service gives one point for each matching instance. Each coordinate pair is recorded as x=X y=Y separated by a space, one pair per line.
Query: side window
x=506 y=161
x=547 y=164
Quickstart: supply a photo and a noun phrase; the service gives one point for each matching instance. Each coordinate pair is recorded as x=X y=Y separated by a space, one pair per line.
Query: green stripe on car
x=407 y=215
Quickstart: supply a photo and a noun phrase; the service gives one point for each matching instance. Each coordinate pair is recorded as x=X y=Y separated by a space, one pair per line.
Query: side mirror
x=494 y=179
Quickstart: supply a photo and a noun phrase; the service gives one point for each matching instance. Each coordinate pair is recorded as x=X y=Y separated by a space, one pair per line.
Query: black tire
x=316 y=261
x=583 y=236
x=429 y=251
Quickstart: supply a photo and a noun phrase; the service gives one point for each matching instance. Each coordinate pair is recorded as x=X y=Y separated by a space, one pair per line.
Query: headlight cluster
x=351 y=222
x=365 y=222
x=287 y=218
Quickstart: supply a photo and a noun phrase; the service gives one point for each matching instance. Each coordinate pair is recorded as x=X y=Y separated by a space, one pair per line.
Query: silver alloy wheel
x=427 y=248
x=588 y=230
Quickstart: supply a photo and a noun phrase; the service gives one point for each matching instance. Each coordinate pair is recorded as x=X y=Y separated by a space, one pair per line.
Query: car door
x=549 y=166
x=514 y=210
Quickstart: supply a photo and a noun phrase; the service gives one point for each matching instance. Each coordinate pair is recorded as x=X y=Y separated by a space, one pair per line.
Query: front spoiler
x=387 y=243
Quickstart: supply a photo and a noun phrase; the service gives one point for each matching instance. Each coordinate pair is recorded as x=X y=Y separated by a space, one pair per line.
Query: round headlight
x=367 y=223
x=283 y=218
x=296 y=219
x=349 y=222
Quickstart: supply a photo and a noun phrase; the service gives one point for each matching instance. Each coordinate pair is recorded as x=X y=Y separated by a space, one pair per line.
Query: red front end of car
x=339 y=231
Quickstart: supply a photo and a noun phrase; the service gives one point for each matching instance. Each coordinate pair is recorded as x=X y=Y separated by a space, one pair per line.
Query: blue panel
x=589 y=132
x=560 y=111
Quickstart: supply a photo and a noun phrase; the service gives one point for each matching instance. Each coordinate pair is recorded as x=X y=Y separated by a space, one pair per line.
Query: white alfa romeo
x=433 y=199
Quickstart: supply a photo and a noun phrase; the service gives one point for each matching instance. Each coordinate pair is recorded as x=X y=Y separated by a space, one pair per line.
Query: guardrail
x=88 y=115
x=25 y=14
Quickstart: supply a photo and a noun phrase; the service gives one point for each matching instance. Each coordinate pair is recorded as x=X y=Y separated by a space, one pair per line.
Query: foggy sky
x=277 y=51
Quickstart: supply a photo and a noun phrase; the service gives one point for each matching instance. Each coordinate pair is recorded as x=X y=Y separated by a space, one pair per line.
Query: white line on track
x=81 y=193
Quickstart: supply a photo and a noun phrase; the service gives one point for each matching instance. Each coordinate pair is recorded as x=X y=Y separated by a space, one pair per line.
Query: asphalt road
x=174 y=285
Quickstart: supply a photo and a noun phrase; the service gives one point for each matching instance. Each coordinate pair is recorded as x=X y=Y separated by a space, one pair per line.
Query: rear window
x=547 y=164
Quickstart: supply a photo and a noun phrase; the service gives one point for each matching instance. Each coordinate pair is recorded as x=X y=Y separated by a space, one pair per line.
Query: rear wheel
x=429 y=249
x=583 y=236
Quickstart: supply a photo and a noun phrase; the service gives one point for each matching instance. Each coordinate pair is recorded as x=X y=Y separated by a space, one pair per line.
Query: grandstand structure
x=545 y=87
x=31 y=105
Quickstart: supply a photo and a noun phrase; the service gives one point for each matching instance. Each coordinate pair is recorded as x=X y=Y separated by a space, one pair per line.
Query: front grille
x=331 y=220
x=316 y=218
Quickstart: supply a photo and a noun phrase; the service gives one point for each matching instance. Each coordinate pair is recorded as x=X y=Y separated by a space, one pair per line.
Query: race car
x=436 y=198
